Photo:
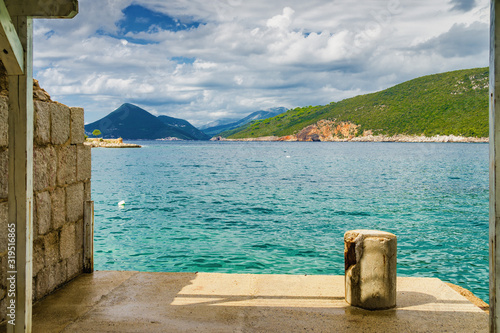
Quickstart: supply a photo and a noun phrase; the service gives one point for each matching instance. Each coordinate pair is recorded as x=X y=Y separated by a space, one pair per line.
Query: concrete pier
x=208 y=302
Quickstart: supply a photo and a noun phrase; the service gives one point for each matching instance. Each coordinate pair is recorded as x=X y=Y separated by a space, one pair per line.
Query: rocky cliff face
x=327 y=130
x=331 y=130
x=323 y=130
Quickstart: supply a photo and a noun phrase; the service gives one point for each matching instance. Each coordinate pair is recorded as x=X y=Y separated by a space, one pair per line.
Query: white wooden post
x=16 y=53
x=494 y=165
x=21 y=176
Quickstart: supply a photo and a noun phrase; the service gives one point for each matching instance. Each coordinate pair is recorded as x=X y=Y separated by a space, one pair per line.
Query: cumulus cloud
x=460 y=41
x=205 y=60
x=282 y=21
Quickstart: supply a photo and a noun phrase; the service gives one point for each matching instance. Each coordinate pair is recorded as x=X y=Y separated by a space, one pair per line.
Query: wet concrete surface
x=107 y=301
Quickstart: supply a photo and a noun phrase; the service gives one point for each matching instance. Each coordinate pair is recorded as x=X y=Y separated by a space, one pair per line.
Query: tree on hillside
x=96 y=132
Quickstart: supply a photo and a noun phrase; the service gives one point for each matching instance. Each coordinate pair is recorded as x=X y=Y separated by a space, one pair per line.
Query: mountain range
x=451 y=103
x=134 y=123
x=257 y=115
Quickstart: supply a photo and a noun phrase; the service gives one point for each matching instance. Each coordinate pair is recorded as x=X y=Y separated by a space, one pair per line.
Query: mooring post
x=494 y=164
x=370 y=269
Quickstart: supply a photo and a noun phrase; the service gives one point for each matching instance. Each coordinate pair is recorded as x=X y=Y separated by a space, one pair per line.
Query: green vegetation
x=96 y=132
x=452 y=103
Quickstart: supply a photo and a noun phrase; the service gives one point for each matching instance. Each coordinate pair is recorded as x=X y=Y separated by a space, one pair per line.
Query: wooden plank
x=21 y=176
x=11 y=50
x=88 y=238
x=494 y=165
x=43 y=8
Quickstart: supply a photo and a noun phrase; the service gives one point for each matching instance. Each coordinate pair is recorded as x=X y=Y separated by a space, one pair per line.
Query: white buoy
x=121 y=203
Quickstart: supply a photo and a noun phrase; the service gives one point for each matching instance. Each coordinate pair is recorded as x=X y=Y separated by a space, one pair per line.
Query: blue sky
x=205 y=60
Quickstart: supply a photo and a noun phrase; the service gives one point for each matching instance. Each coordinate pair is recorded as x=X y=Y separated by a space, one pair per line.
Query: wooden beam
x=494 y=165
x=21 y=177
x=88 y=237
x=11 y=50
x=43 y=8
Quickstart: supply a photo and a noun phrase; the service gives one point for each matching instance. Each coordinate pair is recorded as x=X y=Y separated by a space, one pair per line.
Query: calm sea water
x=283 y=207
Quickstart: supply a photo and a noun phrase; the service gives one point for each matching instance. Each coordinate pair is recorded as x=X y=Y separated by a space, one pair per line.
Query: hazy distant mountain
x=184 y=126
x=133 y=123
x=257 y=115
x=218 y=122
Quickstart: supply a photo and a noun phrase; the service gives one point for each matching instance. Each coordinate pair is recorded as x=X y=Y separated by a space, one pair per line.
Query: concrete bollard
x=370 y=269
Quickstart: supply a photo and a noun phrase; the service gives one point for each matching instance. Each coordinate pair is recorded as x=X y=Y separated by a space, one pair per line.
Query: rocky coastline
x=369 y=138
x=109 y=143
x=327 y=130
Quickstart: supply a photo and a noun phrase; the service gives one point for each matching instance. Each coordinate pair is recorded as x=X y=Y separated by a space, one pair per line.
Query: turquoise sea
x=283 y=207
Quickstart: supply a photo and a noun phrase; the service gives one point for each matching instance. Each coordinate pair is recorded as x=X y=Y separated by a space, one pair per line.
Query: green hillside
x=452 y=103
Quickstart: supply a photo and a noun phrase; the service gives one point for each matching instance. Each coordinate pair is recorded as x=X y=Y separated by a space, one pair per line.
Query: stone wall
x=61 y=184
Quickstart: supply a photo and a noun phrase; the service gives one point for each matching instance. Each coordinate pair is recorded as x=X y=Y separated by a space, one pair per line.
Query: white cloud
x=283 y=21
x=250 y=55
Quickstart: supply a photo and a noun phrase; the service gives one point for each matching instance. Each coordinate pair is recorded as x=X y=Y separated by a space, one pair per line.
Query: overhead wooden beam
x=11 y=50
x=43 y=8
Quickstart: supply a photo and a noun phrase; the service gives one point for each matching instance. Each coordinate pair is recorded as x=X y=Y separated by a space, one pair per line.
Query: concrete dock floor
x=108 y=301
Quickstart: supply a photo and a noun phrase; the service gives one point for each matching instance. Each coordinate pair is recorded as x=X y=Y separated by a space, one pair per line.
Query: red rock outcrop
x=328 y=130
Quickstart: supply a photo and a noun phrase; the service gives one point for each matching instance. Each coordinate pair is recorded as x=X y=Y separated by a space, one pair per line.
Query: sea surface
x=283 y=207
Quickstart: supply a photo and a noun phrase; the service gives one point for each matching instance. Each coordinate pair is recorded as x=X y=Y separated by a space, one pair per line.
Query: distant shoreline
x=371 y=138
x=109 y=143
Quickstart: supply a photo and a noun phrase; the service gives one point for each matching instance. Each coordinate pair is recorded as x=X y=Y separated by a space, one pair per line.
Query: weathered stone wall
x=61 y=184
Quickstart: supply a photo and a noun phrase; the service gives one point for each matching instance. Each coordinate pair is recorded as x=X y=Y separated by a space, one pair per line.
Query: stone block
x=77 y=126
x=4 y=173
x=38 y=255
x=3 y=309
x=57 y=275
x=4 y=216
x=75 y=265
x=58 y=205
x=44 y=168
x=370 y=269
x=60 y=123
x=51 y=246
x=4 y=121
x=42 y=283
x=74 y=202
x=68 y=239
x=87 y=191
x=3 y=285
x=43 y=212
x=3 y=271
x=66 y=166
x=84 y=162
x=42 y=123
